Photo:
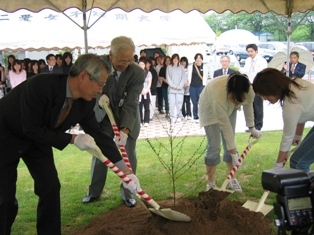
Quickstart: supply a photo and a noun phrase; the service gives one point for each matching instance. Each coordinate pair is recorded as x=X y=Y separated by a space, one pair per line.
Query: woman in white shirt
x=218 y=105
x=296 y=97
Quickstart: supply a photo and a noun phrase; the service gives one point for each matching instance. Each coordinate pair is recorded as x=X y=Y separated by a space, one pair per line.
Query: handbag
x=198 y=72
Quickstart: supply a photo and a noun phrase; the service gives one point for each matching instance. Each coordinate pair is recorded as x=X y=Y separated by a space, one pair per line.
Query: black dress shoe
x=130 y=202
x=88 y=199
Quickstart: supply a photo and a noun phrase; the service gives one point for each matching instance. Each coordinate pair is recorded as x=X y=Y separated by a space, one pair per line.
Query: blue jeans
x=303 y=157
x=195 y=96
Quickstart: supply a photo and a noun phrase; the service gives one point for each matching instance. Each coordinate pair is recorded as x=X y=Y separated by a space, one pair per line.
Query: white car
x=271 y=48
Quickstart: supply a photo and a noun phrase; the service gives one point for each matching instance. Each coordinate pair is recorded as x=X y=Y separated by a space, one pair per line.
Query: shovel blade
x=171 y=214
x=224 y=187
x=254 y=206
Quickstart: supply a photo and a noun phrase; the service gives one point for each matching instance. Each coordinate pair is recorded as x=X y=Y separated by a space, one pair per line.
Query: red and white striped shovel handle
x=124 y=154
x=117 y=135
x=245 y=152
x=97 y=153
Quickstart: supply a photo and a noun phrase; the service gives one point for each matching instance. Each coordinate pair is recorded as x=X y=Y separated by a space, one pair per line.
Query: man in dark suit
x=51 y=65
x=31 y=125
x=296 y=69
x=129 y=79
x=225 y=61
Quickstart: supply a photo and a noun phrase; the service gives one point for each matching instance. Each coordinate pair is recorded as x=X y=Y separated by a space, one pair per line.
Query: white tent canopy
x=50 y=30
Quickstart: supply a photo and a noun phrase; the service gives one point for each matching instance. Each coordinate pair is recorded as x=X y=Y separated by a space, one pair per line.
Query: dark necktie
x=50 y=69
x=113 y=95
x=64 y=112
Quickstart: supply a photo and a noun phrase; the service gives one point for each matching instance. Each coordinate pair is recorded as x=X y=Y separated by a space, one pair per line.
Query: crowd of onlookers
x=18 y=71
x=170 y=85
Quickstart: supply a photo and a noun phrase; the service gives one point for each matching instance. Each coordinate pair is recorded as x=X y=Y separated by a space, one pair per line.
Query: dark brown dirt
x=211 y=213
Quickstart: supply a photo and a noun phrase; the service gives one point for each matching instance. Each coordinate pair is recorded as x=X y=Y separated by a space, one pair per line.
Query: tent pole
x=85 y=25
x=289 y=6
x=288 y=45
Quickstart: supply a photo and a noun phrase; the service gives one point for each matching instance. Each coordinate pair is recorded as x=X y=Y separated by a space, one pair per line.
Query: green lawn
x=74 y=167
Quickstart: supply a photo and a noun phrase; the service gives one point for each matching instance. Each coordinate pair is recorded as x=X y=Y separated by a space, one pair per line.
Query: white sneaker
x=196 y=120
x=178 y=119
x=235 y=186
x=189 y=118
x=209 y=186
x=146 y=124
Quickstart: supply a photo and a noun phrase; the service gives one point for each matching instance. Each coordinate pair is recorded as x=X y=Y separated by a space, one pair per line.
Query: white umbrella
x=236 y=36
x=281 y=57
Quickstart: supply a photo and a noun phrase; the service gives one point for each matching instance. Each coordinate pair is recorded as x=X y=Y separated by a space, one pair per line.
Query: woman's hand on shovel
x=255 y=133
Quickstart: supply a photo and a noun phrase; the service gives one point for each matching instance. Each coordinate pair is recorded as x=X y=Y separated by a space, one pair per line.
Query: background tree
x=303 y=29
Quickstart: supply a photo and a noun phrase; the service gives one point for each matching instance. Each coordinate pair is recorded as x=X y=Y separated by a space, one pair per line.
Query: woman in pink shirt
x=17 y=75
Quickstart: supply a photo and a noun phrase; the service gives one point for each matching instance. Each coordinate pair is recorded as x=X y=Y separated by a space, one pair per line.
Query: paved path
x=160 y=126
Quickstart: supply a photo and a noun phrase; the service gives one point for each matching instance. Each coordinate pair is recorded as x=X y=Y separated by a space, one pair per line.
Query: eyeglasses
x=100 y=84
x=123 y=62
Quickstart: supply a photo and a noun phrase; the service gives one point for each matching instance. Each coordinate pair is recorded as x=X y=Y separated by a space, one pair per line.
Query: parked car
x=241 y=54
x=271 y=48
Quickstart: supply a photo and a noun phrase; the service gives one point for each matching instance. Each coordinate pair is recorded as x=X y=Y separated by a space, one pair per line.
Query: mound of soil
x=211 y=213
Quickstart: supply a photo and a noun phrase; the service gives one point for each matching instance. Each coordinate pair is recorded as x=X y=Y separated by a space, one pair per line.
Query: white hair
x=121 y=42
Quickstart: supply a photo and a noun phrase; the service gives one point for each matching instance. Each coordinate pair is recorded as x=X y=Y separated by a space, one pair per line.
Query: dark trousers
x=47 y=187
x=159 y=98
x=258 y=112
x=165 y=97
x=186 y=106
x=145 y=103
x=195 y=96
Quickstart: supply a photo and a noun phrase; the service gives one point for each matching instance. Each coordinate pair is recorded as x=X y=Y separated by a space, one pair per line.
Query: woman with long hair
x=145 y=95
x=11 y=59
x=153 y=88
x=34 y=69
x=164 y=84
x=218 y=105
x=186 y=106
x=17 y=74
x=296 y=97
x=67 y=62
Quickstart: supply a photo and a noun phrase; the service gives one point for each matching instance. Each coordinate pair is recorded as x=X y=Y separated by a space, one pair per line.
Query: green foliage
x=270 y=22
x=234 y=68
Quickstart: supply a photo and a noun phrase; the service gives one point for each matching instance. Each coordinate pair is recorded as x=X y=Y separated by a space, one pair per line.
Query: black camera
x=294 y=199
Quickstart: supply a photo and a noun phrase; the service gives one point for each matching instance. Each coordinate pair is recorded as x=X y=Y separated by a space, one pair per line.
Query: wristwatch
x=124 y=128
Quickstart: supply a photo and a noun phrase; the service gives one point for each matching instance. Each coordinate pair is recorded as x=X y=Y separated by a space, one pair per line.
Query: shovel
x=166 y=212
x=261 y=206
x=236 y=167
